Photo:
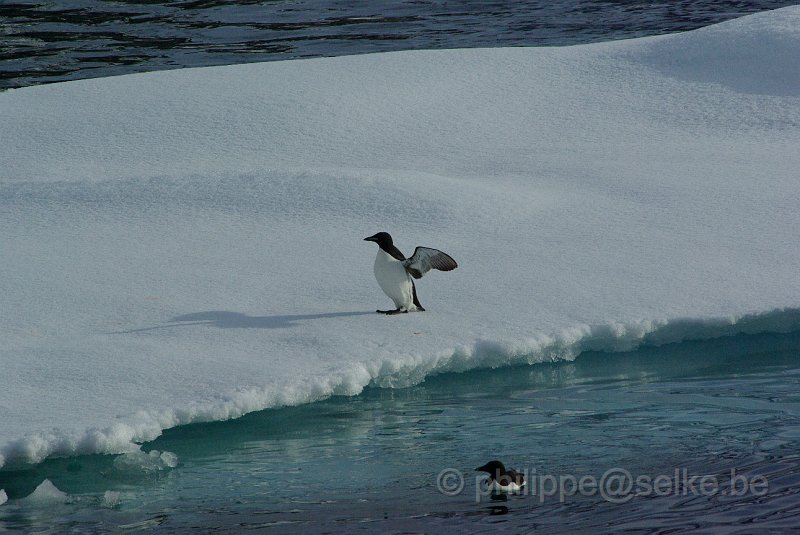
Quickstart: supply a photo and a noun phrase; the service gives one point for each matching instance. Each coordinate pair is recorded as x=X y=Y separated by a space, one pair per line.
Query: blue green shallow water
x=727 y=409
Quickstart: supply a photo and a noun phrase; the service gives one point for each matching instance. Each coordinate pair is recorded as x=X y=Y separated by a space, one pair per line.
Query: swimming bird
x=502 y=479
x=394 y=271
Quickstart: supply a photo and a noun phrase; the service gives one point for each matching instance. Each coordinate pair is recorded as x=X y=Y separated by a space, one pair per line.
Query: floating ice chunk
x=602 y=196
x=110 y=499
x=3 y=497
x=145 y=463
x=169 y=459
x=47 y=494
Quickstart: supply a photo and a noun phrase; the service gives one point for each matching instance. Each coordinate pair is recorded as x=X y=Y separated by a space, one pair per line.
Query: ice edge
x=408 y=370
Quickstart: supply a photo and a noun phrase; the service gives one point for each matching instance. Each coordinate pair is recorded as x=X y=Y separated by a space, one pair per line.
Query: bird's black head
x=492 y=467
x=383 y=239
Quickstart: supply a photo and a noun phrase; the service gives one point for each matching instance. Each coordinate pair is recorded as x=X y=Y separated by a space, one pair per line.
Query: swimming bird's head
x=492 y=467
x=383 y=239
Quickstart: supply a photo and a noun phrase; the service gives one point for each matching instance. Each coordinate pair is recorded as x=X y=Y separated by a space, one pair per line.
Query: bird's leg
x=392 y=312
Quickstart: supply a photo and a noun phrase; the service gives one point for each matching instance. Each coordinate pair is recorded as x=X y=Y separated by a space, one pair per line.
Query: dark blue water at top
x=46 y=41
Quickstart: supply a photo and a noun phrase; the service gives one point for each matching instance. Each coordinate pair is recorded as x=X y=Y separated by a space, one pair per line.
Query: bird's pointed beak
x=371 y=238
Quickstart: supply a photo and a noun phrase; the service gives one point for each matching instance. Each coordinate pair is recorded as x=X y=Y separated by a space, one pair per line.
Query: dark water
x=727 y=410
x=53 y=41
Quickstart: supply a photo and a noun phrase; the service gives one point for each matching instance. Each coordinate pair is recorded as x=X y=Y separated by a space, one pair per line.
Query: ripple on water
x=57 y=41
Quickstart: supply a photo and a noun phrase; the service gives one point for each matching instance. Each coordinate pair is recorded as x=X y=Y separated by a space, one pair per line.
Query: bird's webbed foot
x=392 y=312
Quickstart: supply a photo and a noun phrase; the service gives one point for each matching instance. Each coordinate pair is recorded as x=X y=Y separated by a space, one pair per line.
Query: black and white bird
x=501 y=479
x=394 y=271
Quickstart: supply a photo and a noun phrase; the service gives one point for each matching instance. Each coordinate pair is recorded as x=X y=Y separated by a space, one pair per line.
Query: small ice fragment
x=146 y=463
x=47 y=494
x=110 y=499
x=169 y=459
x=3 y=497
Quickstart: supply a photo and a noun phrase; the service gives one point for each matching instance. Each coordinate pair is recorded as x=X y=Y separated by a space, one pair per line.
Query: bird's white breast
x=394 y=280
x=495 y=486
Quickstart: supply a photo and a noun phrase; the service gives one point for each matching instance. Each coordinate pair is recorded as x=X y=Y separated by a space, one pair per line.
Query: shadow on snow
x=236 y=320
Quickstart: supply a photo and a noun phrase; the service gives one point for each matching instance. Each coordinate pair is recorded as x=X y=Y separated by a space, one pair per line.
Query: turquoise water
x=727 y=409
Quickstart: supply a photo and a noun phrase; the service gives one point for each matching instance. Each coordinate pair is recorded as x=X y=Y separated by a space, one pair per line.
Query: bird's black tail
x=416 y=299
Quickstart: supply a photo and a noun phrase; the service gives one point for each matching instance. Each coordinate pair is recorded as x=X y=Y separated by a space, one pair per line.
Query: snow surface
x=187 y=246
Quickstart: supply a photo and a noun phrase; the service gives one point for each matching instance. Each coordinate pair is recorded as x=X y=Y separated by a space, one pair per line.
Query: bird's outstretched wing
x=425 y=259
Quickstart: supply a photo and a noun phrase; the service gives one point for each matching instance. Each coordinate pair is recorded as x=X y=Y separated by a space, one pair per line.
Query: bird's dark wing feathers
x=425 y=259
